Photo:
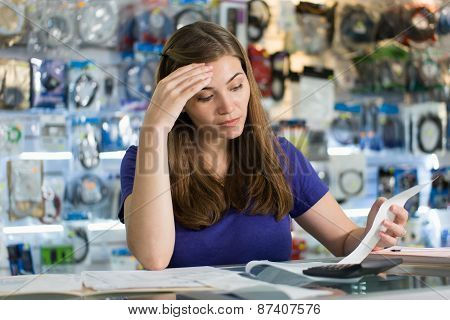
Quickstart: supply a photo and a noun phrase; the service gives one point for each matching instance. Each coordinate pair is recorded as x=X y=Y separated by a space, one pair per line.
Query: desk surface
x=402 y=282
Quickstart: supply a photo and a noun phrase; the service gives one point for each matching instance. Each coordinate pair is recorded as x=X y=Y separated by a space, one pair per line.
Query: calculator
x=346 y=271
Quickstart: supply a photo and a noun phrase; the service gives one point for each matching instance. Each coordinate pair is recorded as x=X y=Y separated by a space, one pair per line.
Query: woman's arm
x=327 y=222
x=148 y=211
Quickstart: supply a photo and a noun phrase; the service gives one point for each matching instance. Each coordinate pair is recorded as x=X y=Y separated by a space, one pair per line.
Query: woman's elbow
x=154 y=264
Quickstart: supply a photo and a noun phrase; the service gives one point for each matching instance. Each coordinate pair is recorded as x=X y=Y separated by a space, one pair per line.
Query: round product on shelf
x=60 y=28
x=344 y=130
x=91 y=190
x=351 y=182
x=155 y=26
x=188 y=16
x=98 y=22
x=429 y=133
x=139 y=79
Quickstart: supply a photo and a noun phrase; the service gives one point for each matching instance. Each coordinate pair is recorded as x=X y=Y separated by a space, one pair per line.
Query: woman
x=210 y=184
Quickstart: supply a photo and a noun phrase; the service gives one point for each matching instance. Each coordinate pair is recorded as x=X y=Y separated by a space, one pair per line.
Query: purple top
x=238 y=237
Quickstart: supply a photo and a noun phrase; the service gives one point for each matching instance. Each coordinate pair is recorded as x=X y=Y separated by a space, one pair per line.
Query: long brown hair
x=255 y=182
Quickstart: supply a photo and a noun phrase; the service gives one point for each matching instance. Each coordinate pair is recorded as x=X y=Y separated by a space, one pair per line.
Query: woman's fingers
x=401 y=215
x=193 y=80
x=182 y=70
x=174 y=80
x=386 y=240
x=394 y=229
x=195 y=87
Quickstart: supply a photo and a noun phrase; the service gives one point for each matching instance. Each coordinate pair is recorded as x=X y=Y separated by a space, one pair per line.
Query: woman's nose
x=226 y=106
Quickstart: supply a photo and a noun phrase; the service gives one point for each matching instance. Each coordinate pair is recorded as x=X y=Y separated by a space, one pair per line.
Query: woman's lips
x=230 y=123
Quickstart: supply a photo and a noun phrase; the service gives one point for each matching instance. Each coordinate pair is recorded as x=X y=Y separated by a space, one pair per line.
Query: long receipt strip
x=365 y=247
x=371 y=239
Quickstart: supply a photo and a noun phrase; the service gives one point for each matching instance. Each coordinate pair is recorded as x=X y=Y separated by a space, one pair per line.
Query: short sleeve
x=307 y=187
x=127 y=171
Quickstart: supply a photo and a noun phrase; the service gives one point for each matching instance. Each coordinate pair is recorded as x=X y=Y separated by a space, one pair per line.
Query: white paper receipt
x=371 y=239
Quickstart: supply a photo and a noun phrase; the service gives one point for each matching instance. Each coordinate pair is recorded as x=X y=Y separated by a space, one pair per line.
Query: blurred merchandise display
x=360 y=88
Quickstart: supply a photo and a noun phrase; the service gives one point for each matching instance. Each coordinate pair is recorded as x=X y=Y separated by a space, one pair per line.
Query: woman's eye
x=205 y=99
x=237 y=88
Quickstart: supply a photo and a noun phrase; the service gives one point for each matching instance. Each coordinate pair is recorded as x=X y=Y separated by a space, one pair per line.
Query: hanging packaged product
x=15 y=84
x=116 y=133
x=190 y=11
x=391 y=126
x=88 y=193
x=419 y=25
x=49 y=83
x=234 y=17
x=315 y=102
x=296 y=132
x=262 y=69
x=317 y=146
x=386 y=182
x=345 y=127
x=287 y=21
x=53 y=133
x=13 y=22
x=424 y=123
x=58 y=21
x=98 y=22
x=85 y=81
x=443 y=25
x=440 y=189
x=316 y=22
x=11 y=137
x=20 y=259
x=154 y=23
x=25 y=178
x=111 y=86
x=140 y=79
x=406 y=178
x=348 y=174
x=86 y=141
x=127 y=29
x=357 y=27
x=370 y=135
x=390 y=24
x=258 y=19
x=390 y=61
x=280 y=72
x=53 y=193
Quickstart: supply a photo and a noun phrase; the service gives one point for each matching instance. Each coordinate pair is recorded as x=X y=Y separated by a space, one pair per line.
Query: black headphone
x=420 y=34
x=357 y=26
x=257 y=24
x=279 y=75
x=436 y=121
